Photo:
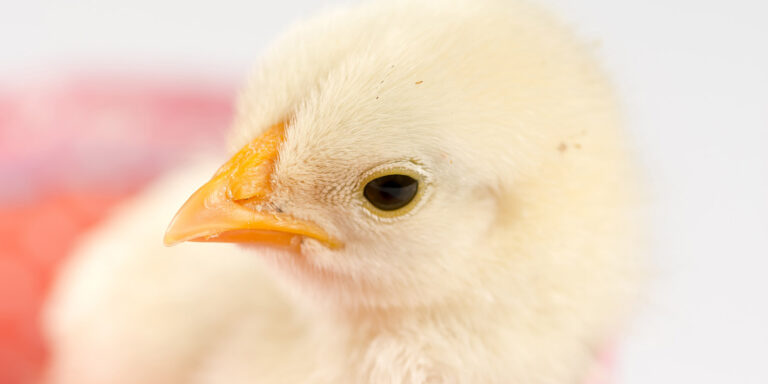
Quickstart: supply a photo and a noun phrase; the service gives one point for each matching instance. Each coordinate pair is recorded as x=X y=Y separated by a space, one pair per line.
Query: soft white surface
x=694 y=79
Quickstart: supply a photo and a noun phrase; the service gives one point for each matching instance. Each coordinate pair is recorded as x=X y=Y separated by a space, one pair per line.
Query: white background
x=694 y=79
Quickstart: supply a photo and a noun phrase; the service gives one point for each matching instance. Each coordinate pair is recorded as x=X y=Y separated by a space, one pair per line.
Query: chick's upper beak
x=232 y=206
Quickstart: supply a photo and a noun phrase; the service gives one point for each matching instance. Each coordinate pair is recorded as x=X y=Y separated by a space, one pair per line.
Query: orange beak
x=233 y=205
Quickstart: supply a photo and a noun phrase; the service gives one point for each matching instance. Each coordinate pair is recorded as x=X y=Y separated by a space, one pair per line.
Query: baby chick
x=421 y=192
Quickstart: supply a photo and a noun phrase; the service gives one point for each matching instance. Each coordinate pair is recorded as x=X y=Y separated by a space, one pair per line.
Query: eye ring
x=399 y=201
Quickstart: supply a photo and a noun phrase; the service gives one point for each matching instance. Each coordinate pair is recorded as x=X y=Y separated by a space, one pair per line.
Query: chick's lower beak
x=232 y=206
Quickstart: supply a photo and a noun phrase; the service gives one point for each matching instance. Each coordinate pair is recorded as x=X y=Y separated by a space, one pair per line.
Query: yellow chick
x=424 y=192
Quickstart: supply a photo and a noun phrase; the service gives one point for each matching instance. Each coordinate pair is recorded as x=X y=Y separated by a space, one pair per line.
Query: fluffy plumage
x=514 y=267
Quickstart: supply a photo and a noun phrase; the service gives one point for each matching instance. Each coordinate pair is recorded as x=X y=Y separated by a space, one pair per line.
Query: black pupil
x=391 y=192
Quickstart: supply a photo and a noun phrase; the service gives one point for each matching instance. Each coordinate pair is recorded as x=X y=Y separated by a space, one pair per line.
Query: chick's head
x=410 y=155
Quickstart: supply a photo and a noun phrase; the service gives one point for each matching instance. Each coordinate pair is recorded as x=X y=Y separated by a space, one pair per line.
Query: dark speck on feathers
x=419 y=82
x=562 y=147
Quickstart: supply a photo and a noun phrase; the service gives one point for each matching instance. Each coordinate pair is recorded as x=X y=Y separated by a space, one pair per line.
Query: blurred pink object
x=603 y=372
x=68 y=152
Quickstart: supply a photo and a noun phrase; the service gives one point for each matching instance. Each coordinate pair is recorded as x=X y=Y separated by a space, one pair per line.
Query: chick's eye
x=391 y=192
